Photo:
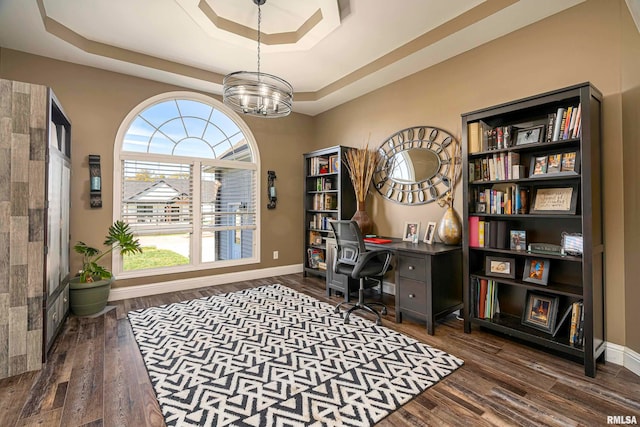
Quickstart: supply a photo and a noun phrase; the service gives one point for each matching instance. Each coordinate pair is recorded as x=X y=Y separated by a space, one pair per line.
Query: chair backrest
x=349 y=241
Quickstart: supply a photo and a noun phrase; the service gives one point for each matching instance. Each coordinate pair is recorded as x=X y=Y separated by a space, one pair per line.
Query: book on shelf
x=475 y=137
x=577 y=318
x=575 y=133
x=483 y=297
x=495 y=167
x=486 y=303
x=473 y=231
x=558 y=123
x=489 y=234
x=551 y=119
x=318 y=165
x=315 y=256
x=320 y=221
x=315 y=238
x=567 y=123
x=324 y=184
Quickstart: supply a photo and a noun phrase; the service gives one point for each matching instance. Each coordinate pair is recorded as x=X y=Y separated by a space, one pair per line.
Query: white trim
x=614 y=353
x=623 y=356
x=632 y=361
x=200 y=282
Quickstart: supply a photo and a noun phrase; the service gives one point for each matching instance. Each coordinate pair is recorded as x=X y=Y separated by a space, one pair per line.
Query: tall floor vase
x=450 y=228
x=362 y=218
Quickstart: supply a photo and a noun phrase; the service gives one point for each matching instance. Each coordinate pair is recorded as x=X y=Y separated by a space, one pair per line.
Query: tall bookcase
x=553 y=197
x=328 y=194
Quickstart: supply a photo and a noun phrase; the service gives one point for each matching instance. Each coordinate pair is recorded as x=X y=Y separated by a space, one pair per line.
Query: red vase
x=362 y=218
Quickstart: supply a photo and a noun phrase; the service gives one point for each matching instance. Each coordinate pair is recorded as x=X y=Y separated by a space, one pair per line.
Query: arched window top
x=186 y=127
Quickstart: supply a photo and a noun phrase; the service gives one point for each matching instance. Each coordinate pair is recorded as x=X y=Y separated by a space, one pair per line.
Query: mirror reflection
x=413 y=165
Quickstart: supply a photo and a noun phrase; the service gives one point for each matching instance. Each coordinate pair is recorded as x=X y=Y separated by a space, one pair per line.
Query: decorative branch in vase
x=450 y=227
x=361 y=164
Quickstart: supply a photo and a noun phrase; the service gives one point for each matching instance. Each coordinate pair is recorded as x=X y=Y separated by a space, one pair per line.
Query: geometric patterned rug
x=271 y=356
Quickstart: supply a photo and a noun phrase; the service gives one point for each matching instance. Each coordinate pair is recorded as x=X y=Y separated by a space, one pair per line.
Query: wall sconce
x=95 y=182
x=271 y=186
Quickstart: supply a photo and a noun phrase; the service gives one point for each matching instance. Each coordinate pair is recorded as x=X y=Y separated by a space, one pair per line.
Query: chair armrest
x=383 y=256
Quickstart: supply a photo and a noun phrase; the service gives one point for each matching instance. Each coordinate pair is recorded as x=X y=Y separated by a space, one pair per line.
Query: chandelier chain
x=259 y=32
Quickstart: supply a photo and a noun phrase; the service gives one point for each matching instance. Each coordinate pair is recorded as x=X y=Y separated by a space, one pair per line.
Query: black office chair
x=354 y=260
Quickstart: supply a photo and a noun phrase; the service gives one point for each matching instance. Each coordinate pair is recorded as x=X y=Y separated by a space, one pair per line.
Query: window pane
x=160 y=250
x=156 y=194
x=227 y=244
x=228 y=209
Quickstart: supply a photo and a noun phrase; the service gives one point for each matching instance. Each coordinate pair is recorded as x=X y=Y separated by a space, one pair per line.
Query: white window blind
x=157 y=195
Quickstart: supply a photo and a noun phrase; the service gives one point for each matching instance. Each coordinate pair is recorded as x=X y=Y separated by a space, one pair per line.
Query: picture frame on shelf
x=536 y=270
x=518 y=240
x=538 y=166
x=411 y=231
x=334 y=164
x=555 y=200
x=570 y=163
x=572 y=243
x=553 y=163
x=540 y=311
x=430 y=233
x=530 y=135
x=481 y=207
x=500 y=267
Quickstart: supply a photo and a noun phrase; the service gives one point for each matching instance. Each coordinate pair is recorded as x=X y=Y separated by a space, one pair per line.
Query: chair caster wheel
x=383 y=311
x=336 y=310
x=346 y=321
x=378 y=322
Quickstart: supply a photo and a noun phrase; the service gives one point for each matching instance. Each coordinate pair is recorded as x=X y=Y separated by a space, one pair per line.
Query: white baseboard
x=200 y=282
x=621 y=355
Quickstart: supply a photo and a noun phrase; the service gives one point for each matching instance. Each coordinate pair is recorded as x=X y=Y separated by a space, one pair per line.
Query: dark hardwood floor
x=95 y=377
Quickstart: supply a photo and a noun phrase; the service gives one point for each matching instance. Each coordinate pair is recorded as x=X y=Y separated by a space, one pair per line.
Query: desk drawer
x=413 y=296
x=412 y=267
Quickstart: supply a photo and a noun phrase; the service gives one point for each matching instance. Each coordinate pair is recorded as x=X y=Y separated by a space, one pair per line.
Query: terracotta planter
x=88 y=298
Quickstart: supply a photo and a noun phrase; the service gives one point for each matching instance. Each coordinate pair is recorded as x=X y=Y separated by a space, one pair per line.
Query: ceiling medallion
x=255 y=93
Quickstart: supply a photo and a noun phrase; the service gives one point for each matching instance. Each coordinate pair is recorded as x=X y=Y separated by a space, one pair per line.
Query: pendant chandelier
x=255 y=93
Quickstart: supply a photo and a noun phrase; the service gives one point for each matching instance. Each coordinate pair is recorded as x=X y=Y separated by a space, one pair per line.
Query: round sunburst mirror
x=414 y=165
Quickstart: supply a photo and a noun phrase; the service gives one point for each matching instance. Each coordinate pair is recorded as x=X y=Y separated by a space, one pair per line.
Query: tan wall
x=631 y=160
x=579 y=44
x=97 y=101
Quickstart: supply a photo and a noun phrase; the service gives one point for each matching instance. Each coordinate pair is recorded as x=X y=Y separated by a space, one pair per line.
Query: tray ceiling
x=331 y=51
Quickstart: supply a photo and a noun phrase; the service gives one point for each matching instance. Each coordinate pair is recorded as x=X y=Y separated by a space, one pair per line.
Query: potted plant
x=89 y=291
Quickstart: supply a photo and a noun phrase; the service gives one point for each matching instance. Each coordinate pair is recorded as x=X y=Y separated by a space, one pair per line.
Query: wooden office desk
x=428 y=279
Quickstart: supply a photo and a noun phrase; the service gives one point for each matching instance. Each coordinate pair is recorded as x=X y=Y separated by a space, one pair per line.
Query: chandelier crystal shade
x=255 y=93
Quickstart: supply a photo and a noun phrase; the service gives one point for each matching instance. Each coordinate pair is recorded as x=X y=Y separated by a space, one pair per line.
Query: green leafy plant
x=119 y=237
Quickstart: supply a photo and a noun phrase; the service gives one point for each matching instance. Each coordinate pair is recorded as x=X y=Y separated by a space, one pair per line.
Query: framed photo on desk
x=411 y=231
x=430 y=234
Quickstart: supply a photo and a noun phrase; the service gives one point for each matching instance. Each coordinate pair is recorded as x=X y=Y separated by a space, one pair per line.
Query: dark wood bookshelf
x=572 y=278
x=341 y=189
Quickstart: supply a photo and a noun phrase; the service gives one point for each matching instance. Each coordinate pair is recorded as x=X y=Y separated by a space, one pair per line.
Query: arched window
x=186 y=183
